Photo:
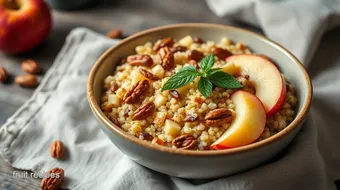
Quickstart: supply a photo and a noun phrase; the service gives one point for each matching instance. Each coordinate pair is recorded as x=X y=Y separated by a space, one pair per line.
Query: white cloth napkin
x=59 y=110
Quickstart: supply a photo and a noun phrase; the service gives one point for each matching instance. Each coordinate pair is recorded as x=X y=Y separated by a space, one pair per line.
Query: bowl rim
x=123 y=134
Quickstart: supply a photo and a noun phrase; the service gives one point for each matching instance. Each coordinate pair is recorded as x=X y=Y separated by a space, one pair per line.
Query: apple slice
x=248 y=123
x=266 y=77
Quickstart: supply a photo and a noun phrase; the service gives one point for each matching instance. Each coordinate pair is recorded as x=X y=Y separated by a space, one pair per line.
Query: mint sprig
x=208 y=77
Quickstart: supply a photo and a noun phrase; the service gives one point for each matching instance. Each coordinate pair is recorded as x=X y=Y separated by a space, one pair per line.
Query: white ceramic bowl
x=191 y=163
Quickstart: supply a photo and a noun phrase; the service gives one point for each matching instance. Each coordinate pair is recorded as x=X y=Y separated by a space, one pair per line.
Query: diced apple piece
x=183 y=89
x=159 y=100
x=186 y=41
x=231 y=69
x=114 y=100
x=160 y=118
x=248 y=124
x=172 y=128
x=267 y=79
x=158 y=70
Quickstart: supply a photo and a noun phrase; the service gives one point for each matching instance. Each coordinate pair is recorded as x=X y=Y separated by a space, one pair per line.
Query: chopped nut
x=195 y=55
x=133 y=94
x=167 y=58
x=114 y=119
x=114 y=87
x=126 y=112
x=166 y=42
x=148 y=74
x=221 y=53
x=53 y=180
x=190 y=118
x=139 y=60
x=218 y=116
x=57 y=149
x=144 y=111
x=178 y=49
x=198 y=40
x=145 y=136
x=175 y=94
x=184 y=142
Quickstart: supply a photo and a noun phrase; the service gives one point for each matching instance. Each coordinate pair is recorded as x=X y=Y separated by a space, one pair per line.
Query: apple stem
x=11 y=4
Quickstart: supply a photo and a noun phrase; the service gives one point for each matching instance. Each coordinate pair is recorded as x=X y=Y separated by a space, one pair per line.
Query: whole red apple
x=24 y=24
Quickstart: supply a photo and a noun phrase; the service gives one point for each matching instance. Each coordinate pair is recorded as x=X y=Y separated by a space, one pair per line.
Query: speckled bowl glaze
x=192 y=163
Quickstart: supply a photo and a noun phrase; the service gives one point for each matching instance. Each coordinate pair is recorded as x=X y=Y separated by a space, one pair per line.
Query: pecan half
x=190 y=118
x=148 y=75
x=144 y=111
x=195 y=55
x=167 y=58
x=178 y=49
x=126 y=112
x=145 y=136
x=52 y=179
x=218 y=116
x=27 y=80
x=221 y=53
x=194 y=63
x=114 y=87
x=139 y=60
x=184 y=142
x=3 y=75
x=57 y=149
x=198 y=40
x=166 y=42
x=133 y=94
x=30 y=66
x=175 y=94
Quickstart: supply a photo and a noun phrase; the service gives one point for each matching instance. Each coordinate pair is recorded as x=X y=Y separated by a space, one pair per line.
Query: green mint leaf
x=224 y=80
x=207 y=63
x=181 y=78
x=213 y=70
x=205 y=86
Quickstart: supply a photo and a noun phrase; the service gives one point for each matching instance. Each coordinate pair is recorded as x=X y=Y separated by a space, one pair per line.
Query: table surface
x=130 y=16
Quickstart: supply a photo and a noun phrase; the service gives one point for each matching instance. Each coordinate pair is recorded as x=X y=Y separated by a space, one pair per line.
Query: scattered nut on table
x=30 y=66
x=27 y=80
x=114 y=34
x=3 y=75
x=57 y=149
x=52 y=179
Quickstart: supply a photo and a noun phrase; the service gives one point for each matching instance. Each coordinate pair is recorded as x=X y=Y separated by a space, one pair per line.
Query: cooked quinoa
x=185 y=112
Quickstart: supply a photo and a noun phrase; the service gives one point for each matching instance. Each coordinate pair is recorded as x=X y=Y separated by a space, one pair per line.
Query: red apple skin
x=280 y=101
x=282 y=97
x=23 y=29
